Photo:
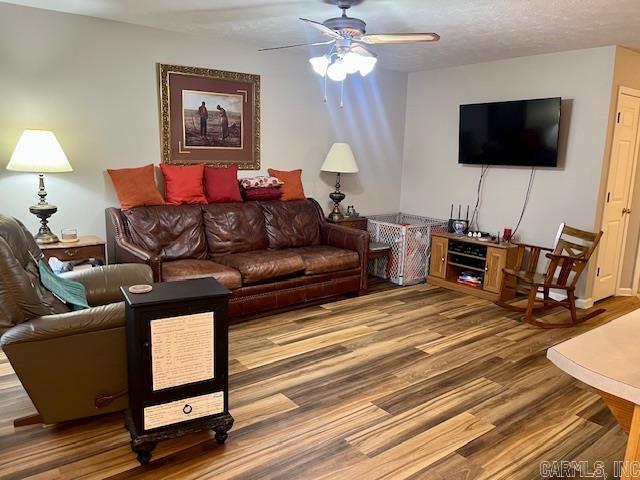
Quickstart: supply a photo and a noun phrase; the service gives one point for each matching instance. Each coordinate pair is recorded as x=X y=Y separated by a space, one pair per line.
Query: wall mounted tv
x=522 y=133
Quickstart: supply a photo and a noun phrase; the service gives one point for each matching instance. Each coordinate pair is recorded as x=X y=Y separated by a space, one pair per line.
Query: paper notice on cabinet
x=182 y=350
x=183 y=410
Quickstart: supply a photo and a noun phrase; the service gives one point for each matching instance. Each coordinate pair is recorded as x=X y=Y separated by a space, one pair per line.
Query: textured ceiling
x=472 y=30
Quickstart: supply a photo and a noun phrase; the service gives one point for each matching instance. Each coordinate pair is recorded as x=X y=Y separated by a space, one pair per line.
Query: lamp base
x=336 y=197
x=335 y=216
x=43 y=211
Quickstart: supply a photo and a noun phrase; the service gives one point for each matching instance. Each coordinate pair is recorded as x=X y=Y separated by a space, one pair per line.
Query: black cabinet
x=177 y=356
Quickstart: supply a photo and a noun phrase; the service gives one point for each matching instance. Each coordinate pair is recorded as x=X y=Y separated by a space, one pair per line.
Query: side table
x=376 y=249
x=177 y=361
x=88 y=246
x=359 y=223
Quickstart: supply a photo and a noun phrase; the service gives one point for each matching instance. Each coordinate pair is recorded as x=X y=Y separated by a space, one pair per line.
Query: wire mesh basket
x=409 y=237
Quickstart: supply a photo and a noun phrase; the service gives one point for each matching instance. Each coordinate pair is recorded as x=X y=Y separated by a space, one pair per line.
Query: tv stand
x=468 y=265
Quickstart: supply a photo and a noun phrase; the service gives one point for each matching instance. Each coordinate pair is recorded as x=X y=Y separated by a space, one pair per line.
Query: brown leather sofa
x=65 y=360
x=270 y=254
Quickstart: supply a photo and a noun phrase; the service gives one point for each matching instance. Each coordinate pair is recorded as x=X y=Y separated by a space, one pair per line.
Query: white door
x=617 y=202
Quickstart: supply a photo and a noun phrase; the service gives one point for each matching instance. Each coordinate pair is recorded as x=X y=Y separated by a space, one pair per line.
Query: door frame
x=632 y=92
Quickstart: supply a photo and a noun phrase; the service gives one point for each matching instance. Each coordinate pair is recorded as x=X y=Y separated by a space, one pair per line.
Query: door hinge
x=598 y=272
x=618 y=120
x=608 y=196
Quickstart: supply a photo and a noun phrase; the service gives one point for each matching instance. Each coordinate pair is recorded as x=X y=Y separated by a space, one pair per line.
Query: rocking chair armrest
x=556 y=256
x=537 y=247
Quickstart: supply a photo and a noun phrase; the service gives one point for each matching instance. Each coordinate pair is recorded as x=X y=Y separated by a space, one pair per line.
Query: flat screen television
x=522 y=133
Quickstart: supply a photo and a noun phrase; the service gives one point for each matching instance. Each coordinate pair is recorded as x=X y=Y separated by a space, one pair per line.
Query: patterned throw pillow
x=259 y=182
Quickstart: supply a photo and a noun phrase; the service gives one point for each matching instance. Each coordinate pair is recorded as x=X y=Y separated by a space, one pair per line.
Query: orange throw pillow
x=183 y=184
x=292 y=184
x=136 y=186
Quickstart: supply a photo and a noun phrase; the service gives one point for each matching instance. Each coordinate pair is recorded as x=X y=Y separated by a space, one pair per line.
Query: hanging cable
x=476 y=209
x=526 y=201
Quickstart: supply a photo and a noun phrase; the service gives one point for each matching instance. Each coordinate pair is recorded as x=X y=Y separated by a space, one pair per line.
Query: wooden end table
x=87 y=246
x=376 y=249
x=359 y=223
x=177 y=360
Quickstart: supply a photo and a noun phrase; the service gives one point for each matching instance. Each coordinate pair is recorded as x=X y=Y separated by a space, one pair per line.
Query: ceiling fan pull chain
x=325 y=89
x=342 y=94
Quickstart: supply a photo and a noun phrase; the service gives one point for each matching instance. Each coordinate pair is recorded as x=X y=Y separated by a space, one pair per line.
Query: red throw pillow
x=262 y=194
x=136 y=186
x=183 y=184
x=221 y=184
x=292 y=184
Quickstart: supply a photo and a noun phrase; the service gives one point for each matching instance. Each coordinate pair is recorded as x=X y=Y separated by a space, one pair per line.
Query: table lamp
x=38 y=151
x=339 y=160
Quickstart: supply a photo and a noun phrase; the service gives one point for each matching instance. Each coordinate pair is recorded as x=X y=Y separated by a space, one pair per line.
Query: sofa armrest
x=66 y=324
x=349 y=239
x=122 y=250
x=102 y=284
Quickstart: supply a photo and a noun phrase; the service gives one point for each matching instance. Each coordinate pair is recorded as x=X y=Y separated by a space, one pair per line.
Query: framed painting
x=209 y=116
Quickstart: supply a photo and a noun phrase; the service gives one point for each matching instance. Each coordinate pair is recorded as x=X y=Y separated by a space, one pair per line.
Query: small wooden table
x=378 y=249
x=359 y=223
x=608 y=359
x=88 y=246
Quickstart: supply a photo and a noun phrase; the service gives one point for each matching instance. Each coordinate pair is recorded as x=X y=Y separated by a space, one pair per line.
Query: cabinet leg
x=143 y=451
x=221 y=434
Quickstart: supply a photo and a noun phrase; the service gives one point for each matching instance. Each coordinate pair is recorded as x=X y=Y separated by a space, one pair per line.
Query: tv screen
x=523 y=133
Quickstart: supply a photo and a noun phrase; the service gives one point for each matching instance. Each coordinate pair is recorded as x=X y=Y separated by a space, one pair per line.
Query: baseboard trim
x=624 y=292
x=583 y=303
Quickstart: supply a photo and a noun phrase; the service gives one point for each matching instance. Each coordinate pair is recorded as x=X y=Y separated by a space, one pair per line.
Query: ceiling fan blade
x=296 y=45
x=322 y=28
x=360 y=50
x=391 y=38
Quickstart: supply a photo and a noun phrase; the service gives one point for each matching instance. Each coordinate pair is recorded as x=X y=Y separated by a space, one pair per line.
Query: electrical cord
x=476 y=209
x=526 y=201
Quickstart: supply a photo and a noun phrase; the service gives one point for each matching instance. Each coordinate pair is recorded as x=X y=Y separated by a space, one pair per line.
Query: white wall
x=432 y=178
x=93 y=82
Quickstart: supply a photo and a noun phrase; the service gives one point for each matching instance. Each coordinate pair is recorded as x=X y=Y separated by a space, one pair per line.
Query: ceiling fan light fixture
x=366 y=65
x=320 y=64
x=337 y=71
x=352 y=62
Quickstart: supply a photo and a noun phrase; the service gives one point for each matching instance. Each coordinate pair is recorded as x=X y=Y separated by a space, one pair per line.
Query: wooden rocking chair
x=567 y=260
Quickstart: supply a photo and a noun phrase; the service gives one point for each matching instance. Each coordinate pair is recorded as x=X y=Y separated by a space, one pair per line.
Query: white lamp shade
x=340 y=159
x=39 y=151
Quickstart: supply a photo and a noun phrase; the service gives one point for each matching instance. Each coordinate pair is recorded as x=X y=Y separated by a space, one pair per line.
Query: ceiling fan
x=348 y=36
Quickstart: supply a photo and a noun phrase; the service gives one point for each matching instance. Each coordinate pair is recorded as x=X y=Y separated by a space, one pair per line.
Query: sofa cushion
x=292 y=188
x=261 y=194
x=136 y=187
x=221 y=184
x=172 y=232
x=188 y=269
x=326 y=259
x=183 y=184
x=263 y=265
x=234 y=228
x=292 y=224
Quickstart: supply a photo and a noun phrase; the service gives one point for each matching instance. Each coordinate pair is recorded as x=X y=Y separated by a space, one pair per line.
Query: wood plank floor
x=410 y=383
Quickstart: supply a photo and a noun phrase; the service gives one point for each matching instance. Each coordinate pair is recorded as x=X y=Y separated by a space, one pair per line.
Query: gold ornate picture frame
x=209 y=117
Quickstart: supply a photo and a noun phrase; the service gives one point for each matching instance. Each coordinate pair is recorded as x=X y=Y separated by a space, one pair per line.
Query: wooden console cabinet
x=452 y=254
x=177 y=357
